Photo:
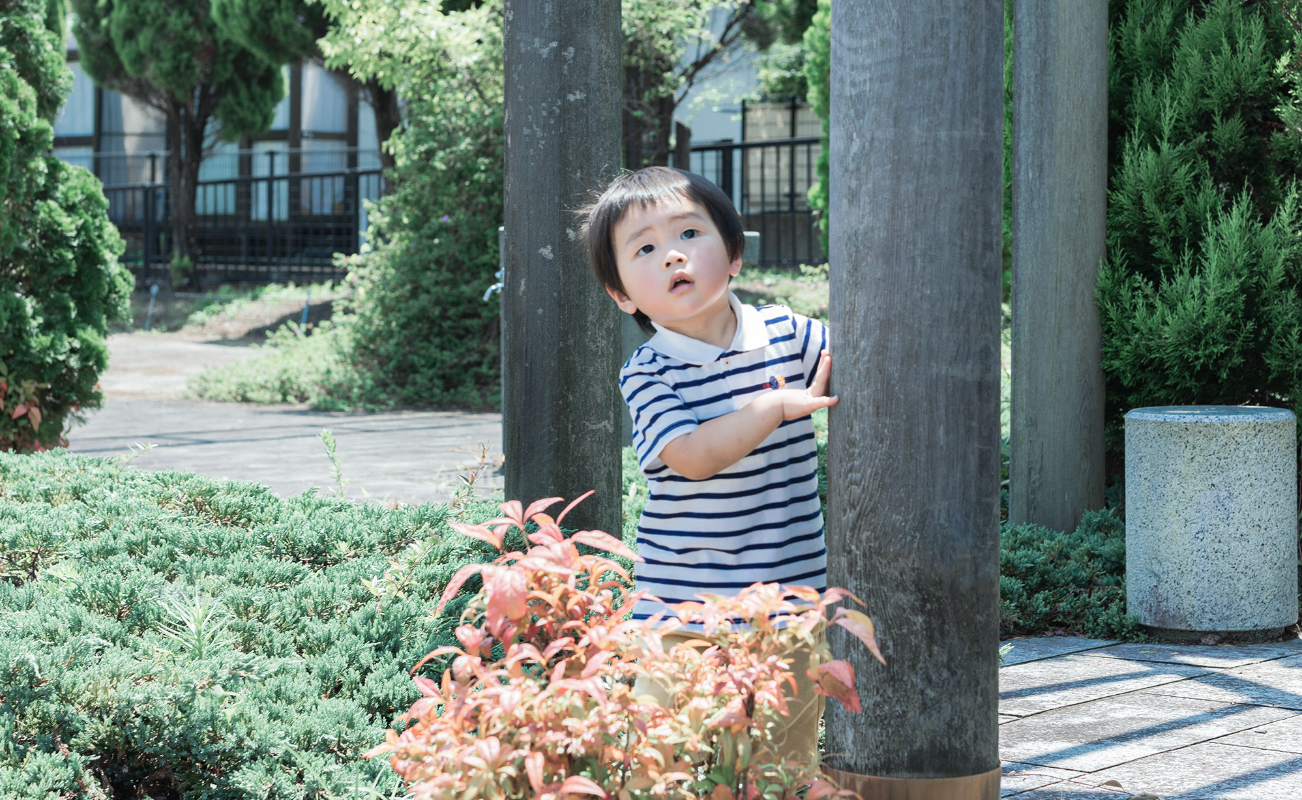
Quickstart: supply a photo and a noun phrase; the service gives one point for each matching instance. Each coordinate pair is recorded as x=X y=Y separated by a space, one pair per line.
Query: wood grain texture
x=916 y=186
x=561 y=333
x=1060 y=151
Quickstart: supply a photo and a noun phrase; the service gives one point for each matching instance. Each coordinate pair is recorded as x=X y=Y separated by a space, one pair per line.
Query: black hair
x=648 y=187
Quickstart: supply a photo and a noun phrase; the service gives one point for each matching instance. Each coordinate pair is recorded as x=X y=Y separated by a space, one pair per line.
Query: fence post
x=271 y=204
x=725 y=175
x=150 y=236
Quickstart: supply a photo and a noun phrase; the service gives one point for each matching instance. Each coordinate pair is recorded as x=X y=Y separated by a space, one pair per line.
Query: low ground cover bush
x=168 y=635
x=1066 y=582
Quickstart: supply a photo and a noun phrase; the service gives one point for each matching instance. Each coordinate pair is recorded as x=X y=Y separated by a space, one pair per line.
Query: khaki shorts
x=796 y=736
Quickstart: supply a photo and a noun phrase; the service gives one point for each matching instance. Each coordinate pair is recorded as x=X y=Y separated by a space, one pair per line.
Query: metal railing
x=262 y=227
x=768 y=182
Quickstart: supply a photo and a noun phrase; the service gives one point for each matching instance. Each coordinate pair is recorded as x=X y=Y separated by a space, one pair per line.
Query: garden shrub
x=297 y=365
x=1199 y=294
x=60 y=281
x=423 y=330
x=537 y=702
x=316 y=607
x=1066 y=582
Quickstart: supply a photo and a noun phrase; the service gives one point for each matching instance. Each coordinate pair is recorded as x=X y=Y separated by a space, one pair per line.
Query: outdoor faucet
x=497 y=287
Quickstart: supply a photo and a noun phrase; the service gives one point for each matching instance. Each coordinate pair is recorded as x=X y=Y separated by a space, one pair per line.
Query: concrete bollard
x=1211 y=521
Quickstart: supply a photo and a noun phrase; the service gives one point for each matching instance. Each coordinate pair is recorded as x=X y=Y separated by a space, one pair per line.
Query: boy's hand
x=797 y=403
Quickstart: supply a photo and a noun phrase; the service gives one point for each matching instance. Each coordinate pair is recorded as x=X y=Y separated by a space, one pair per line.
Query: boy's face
x=673 y=263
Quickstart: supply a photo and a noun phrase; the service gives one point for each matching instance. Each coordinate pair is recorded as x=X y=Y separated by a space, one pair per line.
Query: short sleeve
x=812 y=336
x=658 y=411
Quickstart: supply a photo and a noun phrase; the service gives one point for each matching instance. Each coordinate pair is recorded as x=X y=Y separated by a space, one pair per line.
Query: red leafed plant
x=538 y=701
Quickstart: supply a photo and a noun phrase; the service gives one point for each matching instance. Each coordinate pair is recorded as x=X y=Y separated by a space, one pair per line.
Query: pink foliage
x=554 y=716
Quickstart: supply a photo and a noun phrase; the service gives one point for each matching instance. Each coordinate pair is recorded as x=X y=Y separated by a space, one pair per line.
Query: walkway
x=1088 y=720
x=409 y=456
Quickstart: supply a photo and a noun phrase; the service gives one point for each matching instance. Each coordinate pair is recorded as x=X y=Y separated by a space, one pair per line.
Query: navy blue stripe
x=804 y=346
x=675 y=399
x=677 y=565
x=729 y=514
x=768 y=526
x=712 y=587
x=729 y=373
x=650 y=424
x=680 y=423
x=748 y=549
x=738 y=494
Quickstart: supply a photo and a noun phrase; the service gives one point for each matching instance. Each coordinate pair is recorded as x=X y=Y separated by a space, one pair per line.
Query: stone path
x=1084 y=720
x=411 y=457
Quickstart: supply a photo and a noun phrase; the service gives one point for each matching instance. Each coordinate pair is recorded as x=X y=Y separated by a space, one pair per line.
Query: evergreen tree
x=60 y=281
x=1199 y=295
x=175 y=58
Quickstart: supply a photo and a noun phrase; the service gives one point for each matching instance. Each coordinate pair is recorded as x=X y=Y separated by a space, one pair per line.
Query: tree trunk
x=913 y=489
x=561 y=333
x=1060 y=154
x=388 y=117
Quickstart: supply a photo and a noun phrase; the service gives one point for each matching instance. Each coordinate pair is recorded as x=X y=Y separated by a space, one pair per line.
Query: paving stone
x=1042 y=685
x=1273 y=683
x=409 y=456
x=1017 y=778
x=1004 y=718
x=1117 y=730
x=1206 y=771
x=1219 y=656
x=1284 y=736
x=1041 y=647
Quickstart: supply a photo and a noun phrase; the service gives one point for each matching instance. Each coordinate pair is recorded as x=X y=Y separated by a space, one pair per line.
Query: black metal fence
x=769 y=183
x=274 y=224
x=261 y=227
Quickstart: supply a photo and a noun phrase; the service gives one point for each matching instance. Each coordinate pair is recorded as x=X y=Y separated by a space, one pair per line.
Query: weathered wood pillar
x=561 y=333
x=1060 y=155
x=916 y=188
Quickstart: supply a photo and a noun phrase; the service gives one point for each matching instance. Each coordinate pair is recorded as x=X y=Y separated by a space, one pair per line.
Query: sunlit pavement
x=1083 y=719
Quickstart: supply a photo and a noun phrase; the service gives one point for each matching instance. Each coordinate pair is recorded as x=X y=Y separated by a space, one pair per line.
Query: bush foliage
x=1199 y=295
x=60 y=281
x=537 y=702
x=175 y=636
x=1068 y=582
x=423 y=331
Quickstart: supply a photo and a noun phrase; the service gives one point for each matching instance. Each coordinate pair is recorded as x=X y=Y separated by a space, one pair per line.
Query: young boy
x=720 y=398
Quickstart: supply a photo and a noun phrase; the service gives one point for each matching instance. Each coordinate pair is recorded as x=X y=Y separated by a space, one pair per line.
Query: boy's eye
x=646 y=248
x=690 y=233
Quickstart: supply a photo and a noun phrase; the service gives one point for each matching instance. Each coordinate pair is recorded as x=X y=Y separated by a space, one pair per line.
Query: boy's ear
x=734 y=269
x=625 y=304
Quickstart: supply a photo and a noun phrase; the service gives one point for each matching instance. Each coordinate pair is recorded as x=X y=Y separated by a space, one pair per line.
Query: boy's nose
x=674 y=258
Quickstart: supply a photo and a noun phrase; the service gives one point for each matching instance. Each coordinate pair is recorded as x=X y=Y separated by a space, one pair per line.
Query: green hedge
x=299 y=672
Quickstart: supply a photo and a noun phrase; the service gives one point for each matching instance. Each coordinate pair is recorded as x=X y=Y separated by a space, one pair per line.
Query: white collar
x=752 y=334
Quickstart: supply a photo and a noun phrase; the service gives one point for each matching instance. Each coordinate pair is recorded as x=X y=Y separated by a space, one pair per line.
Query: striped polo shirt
x=760 y=519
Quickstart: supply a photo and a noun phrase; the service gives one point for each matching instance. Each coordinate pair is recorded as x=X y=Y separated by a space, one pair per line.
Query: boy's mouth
x=679 y=281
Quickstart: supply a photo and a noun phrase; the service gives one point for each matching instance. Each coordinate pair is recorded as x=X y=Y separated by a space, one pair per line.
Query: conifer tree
x=175 y=58
x=1199 y=296
x=60 y=281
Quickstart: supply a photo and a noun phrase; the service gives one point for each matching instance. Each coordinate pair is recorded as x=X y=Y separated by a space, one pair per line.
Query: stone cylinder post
x=1211 y=521
x=913 y=488
x=561 y=332
x=1060 y=161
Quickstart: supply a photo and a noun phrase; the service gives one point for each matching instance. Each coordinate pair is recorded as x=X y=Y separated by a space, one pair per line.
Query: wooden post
x=561 y=333
x=916 y=187
x=1060 y=154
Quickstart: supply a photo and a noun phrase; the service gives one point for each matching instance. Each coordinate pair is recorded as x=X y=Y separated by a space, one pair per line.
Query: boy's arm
x=723 y=441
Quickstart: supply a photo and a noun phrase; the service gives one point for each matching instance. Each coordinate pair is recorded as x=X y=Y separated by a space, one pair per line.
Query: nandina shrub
x=538 y=700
